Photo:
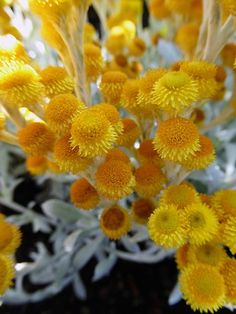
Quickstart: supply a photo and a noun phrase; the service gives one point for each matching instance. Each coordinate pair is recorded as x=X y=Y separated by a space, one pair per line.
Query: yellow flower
x=53 y=167
x=12 y=49
x=93 y=61
x=137 y=47
x=229 y=234
x=19 y=84
x=202 y=287
x=224 y=203
x=117 y=154
x=56 y=81
x=187 y=37
x=36 y=139
x=93 y=133
x=111 y=86
x=180 y=196
x=115 y=222
x=228 y=271
x=203 y=223
x=179 y=6
x=229 y=6
x=203 y=157
x=210 y=253
x=168 y=227
x=83 y=195
x=36 y=165
x=149 y=180
x=68 y=158
x=176 y=139
x=159 y=9
x=146 y=153
x=7 y=273
x=50 y=8
x=10 y=238
x=130 y=134
x=114 y=179
x=142 y=208
x=174 y=92
x=60 y=112
x=129 y=96
x=181 y=256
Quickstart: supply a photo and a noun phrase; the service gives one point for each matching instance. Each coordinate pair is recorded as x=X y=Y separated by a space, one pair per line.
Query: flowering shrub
x=134 y=133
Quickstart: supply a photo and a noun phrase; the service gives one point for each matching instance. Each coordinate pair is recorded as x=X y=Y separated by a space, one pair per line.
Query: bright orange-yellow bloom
x=130 y=134
x=181 y=256
x=224 y=203
x=36 y=139
x=114 y=179
x=147 y=153
x=203 y=287
x=117 y=154
x=159 y=9
x=93 y=61
x=137 y=47
x=176 y=139
x=7 y=273
x=129 y=96
x=12 y=49
x=168 y=227
x=36 y=165
x=51 y=8
x=228 y=271
x=115 y=222
x=10 y=238
x=149 y=180
x=83 y=195
x=229 y=234
x=187 y=37
x=142 y=208
x=229 y=6
x=179 y=6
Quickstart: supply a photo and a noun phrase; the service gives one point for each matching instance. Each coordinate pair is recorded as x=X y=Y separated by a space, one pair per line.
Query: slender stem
x=12 y=205
x=225 y=115
x=8 y=138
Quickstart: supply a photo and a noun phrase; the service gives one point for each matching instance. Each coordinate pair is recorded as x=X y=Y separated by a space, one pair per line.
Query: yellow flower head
x=176 y=139
x=7 y=273
x=56 y=81
x=89 y=33
x=206 y=199
x=130 y=134
x=129 y=96
x=60 y=112
x=137 y=47
x=111 y=86
x=53 y=167
x=19 y=84
x=203 y=223
x=115 y=222
x=187 y=37
x=174 y=92
x=228 y=271
x=112 y=115
x=229 y=234
x=83 y=195
x=142 y=208
x=36 y=165
x=179 y=6
x=201 y=158
x=168 y=227
x=93 y=61
x=179 y=195
x=229 y=6
x=68 y=158
x=204 y=74
x=36 y=139
x=210 y=253
x=12 y=49
x=202 y=287
x=50 y=8
x=117 y=40
x=149 y=180
x=224 y=203
x=117 y=154
x=146 y=153
x=114 y=179
x=10 y=238
x=181 y=256
x=159 y=9
x=93 y=133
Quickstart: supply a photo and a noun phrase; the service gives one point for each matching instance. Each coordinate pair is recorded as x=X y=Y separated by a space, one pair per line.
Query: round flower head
x=204 y=74
x=129 y=96
x=168 y=227
x=52 y=9
x=224 y=203
x=201 y=158
x=210 y=253
x=60 y=112
x=36 y=165
x=149 y=180
x=93 y=61
x=176 y=139
x=117 y=154
x=7 y=273
x=228 y=271
x=10 y=238
x=68 y=158
x=202 y=287
x=36 y=139
x=179 y=195
x=89 y=33
x=179 y=6
x=56 y=81
x=174 y=92
x=83 y=195
x=111 y=86
x=93 y=133
x=203 y=223
x=112 y=115
x=159 y=9
x=142 y=208
x=137 y=47
x=181 y=256
x=131 y=133
x=229 y=234
x=229 y=6
x=206 y=199
x=114 y=179
x=115 y=222
x=12 y=49
x=19 y=84
x=53 y=167
x=187 y=37
x=228 y=54
x=147 y=154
